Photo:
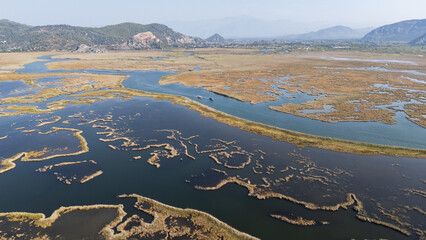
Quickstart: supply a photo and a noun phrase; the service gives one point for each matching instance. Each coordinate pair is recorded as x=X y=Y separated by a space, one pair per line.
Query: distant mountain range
x=331 y=33
x=242 y=27
x=410 y=31
x=124 y=36
x=405 y=31
x=130 y=36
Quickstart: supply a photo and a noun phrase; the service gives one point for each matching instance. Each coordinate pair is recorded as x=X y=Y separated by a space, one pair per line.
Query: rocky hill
x=125 y=36
x=331 y=33
x=404 y=31
x=420 y=41
x=216 y=38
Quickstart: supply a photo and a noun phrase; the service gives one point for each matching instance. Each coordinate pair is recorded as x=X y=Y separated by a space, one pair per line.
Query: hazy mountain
x=419 y=41
x=216 y=38
x=331 y=33
x=242 y=27
x=15 y=36
x=404 y=31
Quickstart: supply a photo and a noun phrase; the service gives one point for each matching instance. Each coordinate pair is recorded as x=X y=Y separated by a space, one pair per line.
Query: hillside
x=331 y=33
x=404 y=31
x=419 y=41
x=19 y=37
x=216 y=38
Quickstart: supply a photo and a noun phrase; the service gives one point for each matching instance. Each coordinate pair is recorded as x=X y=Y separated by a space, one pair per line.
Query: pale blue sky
x=355 y=13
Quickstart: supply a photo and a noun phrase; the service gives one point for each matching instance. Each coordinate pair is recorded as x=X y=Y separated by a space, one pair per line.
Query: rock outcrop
x=83 y=48
x=143 y=40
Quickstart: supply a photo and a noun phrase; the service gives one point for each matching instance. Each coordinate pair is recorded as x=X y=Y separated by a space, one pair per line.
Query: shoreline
x=40 y=219
x=9 y=163
x=159 y=210
x=351 y=201
x=297 y=138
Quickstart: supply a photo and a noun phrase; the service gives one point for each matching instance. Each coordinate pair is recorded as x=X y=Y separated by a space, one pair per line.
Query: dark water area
x=373 y=179
x=29 y=191
x=208 y=178
x=71 y=173
x=82 y=224
x=60 y=142
x=77 y=224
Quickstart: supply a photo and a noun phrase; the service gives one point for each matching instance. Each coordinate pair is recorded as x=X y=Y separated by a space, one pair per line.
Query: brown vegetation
x=35 y=156
x=298 y=221
x=232 y=61
x=90 y=177
x=174 y=222
x=58 y=118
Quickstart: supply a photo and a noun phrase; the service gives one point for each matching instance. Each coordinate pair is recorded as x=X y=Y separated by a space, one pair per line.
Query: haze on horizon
x=298 y=16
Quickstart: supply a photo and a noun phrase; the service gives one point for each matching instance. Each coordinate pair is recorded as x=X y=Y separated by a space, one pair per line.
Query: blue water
x=414 y=80
x=369 y=60
x=36 y=67
x=404 y=133
x=168 y=184
x=14 y=89
x=377 y=69
x=190 y=53
x=159 y=58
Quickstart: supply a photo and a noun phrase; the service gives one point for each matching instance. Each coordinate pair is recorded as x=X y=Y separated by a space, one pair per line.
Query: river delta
x=105 y=145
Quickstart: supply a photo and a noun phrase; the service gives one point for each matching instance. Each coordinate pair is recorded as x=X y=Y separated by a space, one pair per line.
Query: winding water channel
x=383 y=179
x=404 y=133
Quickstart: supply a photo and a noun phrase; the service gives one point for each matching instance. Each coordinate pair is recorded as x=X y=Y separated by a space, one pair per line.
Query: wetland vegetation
x=167 y=144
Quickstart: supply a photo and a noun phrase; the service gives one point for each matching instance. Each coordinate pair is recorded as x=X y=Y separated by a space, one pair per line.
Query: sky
x=353 y=13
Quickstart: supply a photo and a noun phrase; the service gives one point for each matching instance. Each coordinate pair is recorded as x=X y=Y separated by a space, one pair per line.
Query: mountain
x=20 y=37
x=216 y=38
x=331 y=33
x=242 y=27
x=9 y=30
x=419 y=41
x=404 y=31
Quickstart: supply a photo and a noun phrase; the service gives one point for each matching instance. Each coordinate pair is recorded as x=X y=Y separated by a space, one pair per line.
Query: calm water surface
x=369 y=177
